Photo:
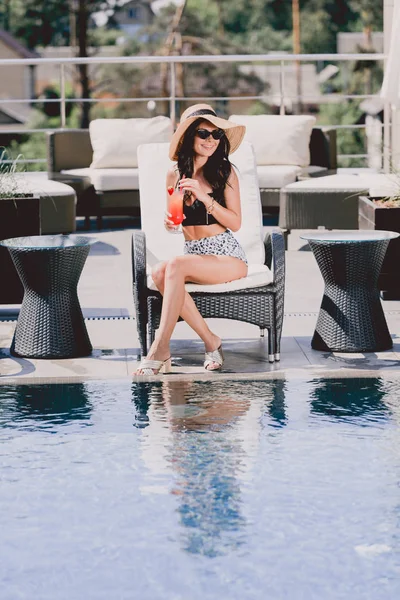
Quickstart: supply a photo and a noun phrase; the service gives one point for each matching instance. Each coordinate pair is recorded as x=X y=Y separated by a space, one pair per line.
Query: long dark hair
x=217 y=168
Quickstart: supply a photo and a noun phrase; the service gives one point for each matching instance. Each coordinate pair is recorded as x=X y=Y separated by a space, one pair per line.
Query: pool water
x=275 y=489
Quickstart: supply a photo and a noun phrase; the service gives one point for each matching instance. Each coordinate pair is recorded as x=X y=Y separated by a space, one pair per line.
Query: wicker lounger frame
x=262 y=306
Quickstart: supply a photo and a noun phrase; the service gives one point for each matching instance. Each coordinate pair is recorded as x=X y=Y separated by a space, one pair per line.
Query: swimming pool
x=278 y=489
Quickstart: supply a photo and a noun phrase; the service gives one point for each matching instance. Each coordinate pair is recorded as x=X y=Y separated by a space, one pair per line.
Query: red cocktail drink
x=175 y=206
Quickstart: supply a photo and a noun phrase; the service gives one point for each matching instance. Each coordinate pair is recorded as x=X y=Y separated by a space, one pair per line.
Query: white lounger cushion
x=162 y=245
x=278 y=139
x=276 y=176
x=258 y=276
x=107 y=180
x=115 y=141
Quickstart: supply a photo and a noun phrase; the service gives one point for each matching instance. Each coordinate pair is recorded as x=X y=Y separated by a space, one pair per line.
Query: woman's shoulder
x=233 y=178
x=172 y=175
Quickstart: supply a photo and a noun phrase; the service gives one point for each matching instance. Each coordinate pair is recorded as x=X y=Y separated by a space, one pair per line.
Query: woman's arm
x=231 y=216
x=172 y=178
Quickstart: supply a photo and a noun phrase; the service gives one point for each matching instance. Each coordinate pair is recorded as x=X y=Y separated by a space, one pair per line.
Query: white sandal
x=153 y=367
x=214 y=357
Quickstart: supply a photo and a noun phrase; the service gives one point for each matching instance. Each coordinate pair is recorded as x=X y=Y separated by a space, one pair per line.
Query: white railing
x=281 y=59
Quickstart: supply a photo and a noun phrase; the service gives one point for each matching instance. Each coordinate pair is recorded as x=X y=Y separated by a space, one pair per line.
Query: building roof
x=12 y=42
x=14 y=119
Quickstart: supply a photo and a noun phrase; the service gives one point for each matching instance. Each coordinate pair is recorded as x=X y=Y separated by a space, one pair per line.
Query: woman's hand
x=195 y=188
x=170 y=225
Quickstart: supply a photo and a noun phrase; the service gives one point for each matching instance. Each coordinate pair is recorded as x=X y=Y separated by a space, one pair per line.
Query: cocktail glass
x=175 y=209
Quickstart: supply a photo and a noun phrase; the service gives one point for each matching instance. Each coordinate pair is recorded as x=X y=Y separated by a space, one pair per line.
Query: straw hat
x=233 y=132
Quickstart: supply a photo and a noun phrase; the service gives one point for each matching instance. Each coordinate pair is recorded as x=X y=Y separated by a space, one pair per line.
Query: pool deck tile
x=105 y=292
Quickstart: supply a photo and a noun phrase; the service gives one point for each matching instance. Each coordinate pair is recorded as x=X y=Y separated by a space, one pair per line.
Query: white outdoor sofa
x=288 y=148
x=101 y=163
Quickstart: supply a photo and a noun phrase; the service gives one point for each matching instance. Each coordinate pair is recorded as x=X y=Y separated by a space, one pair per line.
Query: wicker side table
x=351 y=318
x=50 y=322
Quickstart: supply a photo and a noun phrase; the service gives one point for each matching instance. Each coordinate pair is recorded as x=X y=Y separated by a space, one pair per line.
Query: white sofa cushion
x=269 y=176
x=277 y=176
x=278 y=139
x=161 y=245
x=39 y=184
x=258 y=276
x=106 y=180
x=115 y=141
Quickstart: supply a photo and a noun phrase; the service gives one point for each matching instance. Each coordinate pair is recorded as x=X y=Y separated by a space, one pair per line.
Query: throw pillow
x=278 y=139
x=115 y=141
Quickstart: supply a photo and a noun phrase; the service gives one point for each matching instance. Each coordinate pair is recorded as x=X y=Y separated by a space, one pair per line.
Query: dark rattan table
x=50 y=322
x=351 y=318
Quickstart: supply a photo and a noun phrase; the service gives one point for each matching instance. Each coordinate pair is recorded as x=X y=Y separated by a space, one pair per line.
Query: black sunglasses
x=204 y=133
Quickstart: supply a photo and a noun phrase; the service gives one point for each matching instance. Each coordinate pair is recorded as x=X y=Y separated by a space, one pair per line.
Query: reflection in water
x=142 y=395
x=276 y=405
x=348 y=398
x=292 y=486
x=207 y=466
x=23 y=406
x=207 y=435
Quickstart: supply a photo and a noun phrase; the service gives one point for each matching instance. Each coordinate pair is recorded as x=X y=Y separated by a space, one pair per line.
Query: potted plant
x=19 y=216
x=381 y=210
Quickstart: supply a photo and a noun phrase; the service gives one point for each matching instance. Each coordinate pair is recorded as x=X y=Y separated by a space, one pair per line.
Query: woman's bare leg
x=197 y=269
x=189 y=312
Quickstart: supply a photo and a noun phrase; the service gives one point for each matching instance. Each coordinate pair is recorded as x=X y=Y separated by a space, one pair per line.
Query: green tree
x=341 y=13
x=318 y=35
x=57 y=22
x=249 y=26
x=34 y=145
x=369 y=17
x=349 y=141
x=321 y=20
x=5 y=15
x=104 y=36
x=37 y=22
x=81 y=12
x=197 y=33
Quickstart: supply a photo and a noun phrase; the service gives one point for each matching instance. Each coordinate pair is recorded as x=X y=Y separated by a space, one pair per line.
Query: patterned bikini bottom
x=222 y=244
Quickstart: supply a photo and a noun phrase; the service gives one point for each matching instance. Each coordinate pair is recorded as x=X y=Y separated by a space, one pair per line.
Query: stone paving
x=106 y=299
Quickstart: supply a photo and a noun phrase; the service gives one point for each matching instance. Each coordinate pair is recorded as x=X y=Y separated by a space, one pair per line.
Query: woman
x=200 y=145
